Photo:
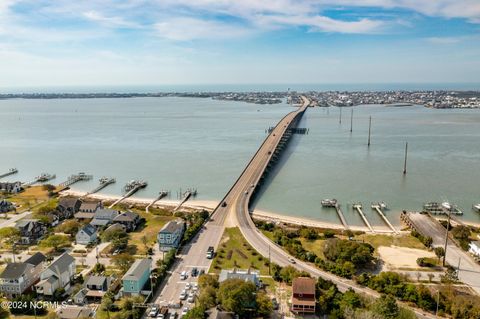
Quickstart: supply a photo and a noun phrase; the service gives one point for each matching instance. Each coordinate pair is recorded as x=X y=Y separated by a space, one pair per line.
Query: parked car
x=194 y=272
x=291 y=260
x=188 y=286
x=183 y=275
x=183 y=295
x=184 y=311
x=153 y=312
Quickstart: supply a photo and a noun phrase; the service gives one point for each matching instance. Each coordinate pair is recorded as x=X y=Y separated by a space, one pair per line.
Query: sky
x=172 y=42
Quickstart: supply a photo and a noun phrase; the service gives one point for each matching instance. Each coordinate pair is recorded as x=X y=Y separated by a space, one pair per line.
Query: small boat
x=383 y=206
x=134 y=184
x=476 y=208
x=329 y=202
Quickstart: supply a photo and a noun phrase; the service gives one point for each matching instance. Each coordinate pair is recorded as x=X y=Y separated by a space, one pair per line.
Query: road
x=13 y=218
x=469 y=272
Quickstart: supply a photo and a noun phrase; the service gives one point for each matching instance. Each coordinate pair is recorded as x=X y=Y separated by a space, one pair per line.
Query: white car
x=191 y=298
x=183 y=275
x=195 y=287
x=183 y=295
x=292 y=260
x=188 y=286
x=153 y=311
x=184 y=311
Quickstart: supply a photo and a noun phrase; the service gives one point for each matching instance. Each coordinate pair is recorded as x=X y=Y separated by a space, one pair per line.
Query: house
x=129 y=219
x=245 y=275
x=17 y=278
x=86 y=235
x=57 y=275
x=170 y=236
x=104 y=217
x=474 y=248
x=215 y=313
x=90 y=206
x=303 y=295
x=74 y=312
x=6 y=206
x=136 y=277
x=31 y=230
x=115 y=227
x=93 y=291
x=11 y=187
x=68 y=206
x=84 y=216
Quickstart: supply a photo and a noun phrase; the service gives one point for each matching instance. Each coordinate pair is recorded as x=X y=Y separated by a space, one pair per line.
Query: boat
x=476 y=208
x=329 y=202
x=433 y=207
x=134 y=184
x=442 y=208
x=44 y=177
x=383 y=206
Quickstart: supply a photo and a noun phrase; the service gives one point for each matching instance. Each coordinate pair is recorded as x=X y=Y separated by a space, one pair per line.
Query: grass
x=30 y=197
x=315 y=246
x=154 y=222
x=235 y=252
x=378 y=240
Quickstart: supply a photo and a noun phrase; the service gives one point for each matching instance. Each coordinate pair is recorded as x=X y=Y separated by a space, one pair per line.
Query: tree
x=387 y=307
x=308 y=233
x=195 y=313
x=56 y=241
x=237 y=296
x=340 y=251
x=207 y=298
x=264 y=305
x=70 y=227
x=98 y=268
x=206 y=280
x=10 y=235
x=440 y=252
x=461 y=232
x=123 y=261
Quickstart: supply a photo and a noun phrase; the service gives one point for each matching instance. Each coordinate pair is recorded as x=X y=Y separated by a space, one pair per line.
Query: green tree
x=440 y=252
x=123 y=261
x=207 y=280
x=70 y=227
x=195 y=313
x=56 y=241
x=264 y=305
x=98 y=268
x=387 y=307
x=10 y=235
x=237 y=296
x=461 y=232
x=207 y=298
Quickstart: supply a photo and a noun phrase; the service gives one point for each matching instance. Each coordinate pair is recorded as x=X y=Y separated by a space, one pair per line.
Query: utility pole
x=446 y=235
x=369 y=130
x=96 y=249
x=438 y=301
x=340 y=120
x=269 y=261
x=405 y=163
x=351 y=120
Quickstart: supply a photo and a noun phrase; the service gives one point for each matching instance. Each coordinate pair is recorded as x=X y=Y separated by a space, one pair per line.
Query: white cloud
x=444 y=40
x=112 y=22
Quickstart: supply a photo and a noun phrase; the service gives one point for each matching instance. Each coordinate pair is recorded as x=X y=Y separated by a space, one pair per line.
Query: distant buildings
x=474 y=248
x=136 y=277
x=6 y=206
x=303 y=295
x=244 y=275
x=170 y=236
x=19 y=277
x=86 y=235
x=11 y=187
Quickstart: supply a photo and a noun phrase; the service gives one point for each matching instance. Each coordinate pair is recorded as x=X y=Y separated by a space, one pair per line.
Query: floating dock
x=44 y=177
x=186 y=196
x=358 y=208
x=76 y=178
x=442 y=208
x=378 y=208
x=131 y=188
x=10 y=172
x=161 y=195
x=104 y=182
x=341 y=216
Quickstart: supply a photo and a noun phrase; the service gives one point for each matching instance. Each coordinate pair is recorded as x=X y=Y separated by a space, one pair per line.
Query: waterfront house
x=74 y=312
x=6 y=206
x=129 y=219
x=90 y=206
x=244 y=275
x=170 y=236
x=68 y=206
x=31 y=230
x=303 y=295
x=136 y=277
x=474 y=248
x=57 y=275
x=11 y=187
x=103 y=217
x=19 y=277
x=86 y=235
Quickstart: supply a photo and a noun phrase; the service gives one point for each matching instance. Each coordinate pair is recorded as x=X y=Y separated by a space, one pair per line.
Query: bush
x=426 y=262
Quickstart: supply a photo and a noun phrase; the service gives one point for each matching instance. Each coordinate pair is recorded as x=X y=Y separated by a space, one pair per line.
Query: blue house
x=136 y=277
x=170 y=235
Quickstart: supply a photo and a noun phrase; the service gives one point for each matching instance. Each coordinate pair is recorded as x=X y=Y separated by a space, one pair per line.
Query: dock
x=377 y=208
x=10 y=172
x=104 y=182
x=358 y=208
x=132 y=187
x=341 y=216
x=44 y=177
x=75 y=179
x=186 y=196
x=161 y=195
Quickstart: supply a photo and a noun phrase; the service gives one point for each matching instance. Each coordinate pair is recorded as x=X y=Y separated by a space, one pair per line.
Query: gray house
x=86 y=235
x=129 y=219
x=57 y=275
x=19 y=277
x=90 y=206
x=31 y=230
x=170 y=235
x=104 y=217
x=244 y=275
x=67 y=206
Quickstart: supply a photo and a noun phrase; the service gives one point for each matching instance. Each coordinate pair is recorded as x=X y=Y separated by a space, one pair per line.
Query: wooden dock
x=377 y=208
x=10 y=172
x=132 y=191
x=104 y=182
x=186 y=196
x=358 y=208
x=341 y=216
x=44 y=177
x=75 y=178
x=161 y=195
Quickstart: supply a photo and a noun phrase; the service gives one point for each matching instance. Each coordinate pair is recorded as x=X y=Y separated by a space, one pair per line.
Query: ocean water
x=180 y=143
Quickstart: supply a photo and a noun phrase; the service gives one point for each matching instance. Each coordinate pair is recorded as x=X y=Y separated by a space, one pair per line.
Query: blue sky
x=140 y=42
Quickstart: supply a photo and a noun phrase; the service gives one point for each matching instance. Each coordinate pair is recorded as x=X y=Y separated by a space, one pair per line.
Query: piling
x=405 y=162
x=369 y=130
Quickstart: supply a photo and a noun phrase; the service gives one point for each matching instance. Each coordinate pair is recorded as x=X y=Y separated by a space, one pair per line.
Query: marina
x=10 y=172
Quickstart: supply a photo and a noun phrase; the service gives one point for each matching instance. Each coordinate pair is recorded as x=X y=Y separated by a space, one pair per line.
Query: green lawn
x=377 y=240
x=235 y=252
x=315 y=246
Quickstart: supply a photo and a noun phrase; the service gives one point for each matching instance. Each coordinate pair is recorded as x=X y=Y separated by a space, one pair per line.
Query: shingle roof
x=67 y=202
x=96 y=281
x=89 y=205
x=172 y=226
x=36 y=259
x=106 y=213
x=303 y=285
x=126 y=216
x=14 y=270
x=61 y=264
x=138 y=269
x=89 y=229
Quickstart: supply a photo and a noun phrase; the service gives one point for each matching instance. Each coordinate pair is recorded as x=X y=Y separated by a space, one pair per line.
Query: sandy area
x=401 y=257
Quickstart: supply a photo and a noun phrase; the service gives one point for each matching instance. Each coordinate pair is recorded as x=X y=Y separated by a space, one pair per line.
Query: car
x=292 y=260
x=187 y=286
x=162 y=314
x=191 y=299
x=184 y=311
x=224 y=204
x=202 y=271
x=153 y=312
x=183 y=295
x=183 y=275
x=175 y=304
x=195 y=287
x=194 y=272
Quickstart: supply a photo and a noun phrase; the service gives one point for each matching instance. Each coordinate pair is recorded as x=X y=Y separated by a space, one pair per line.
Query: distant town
x=432 y=99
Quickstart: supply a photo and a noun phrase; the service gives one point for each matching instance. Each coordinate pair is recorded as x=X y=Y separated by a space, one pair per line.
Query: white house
x=475 y=248
x=57 y=275
x=86 y=235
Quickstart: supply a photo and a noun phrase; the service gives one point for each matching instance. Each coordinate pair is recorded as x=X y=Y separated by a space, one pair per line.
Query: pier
x=341 y=216
x=10 y=172
x=131 y=188
x=104 y=182
x=186 y=196
x=358 y=208
x=378 y=208
x=161 y=195
x=44 y=177
x=75 y=178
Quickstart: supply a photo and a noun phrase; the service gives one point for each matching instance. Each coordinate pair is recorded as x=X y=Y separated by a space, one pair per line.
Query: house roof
x=245 y=275
x=73 y=312
x=217 y=314
x=89 y=205
x=36 y=259
x=61 y=264
x=14 y=270
x=303 y=285
x=115 y=226
x=106 y=213
x=172 y=226
x=99 y=222
x=67 y=202
x=126 y=217
x=25 y=222
x=138 y=269
x=96 y=281
x=84 y=215
x=88 y=229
